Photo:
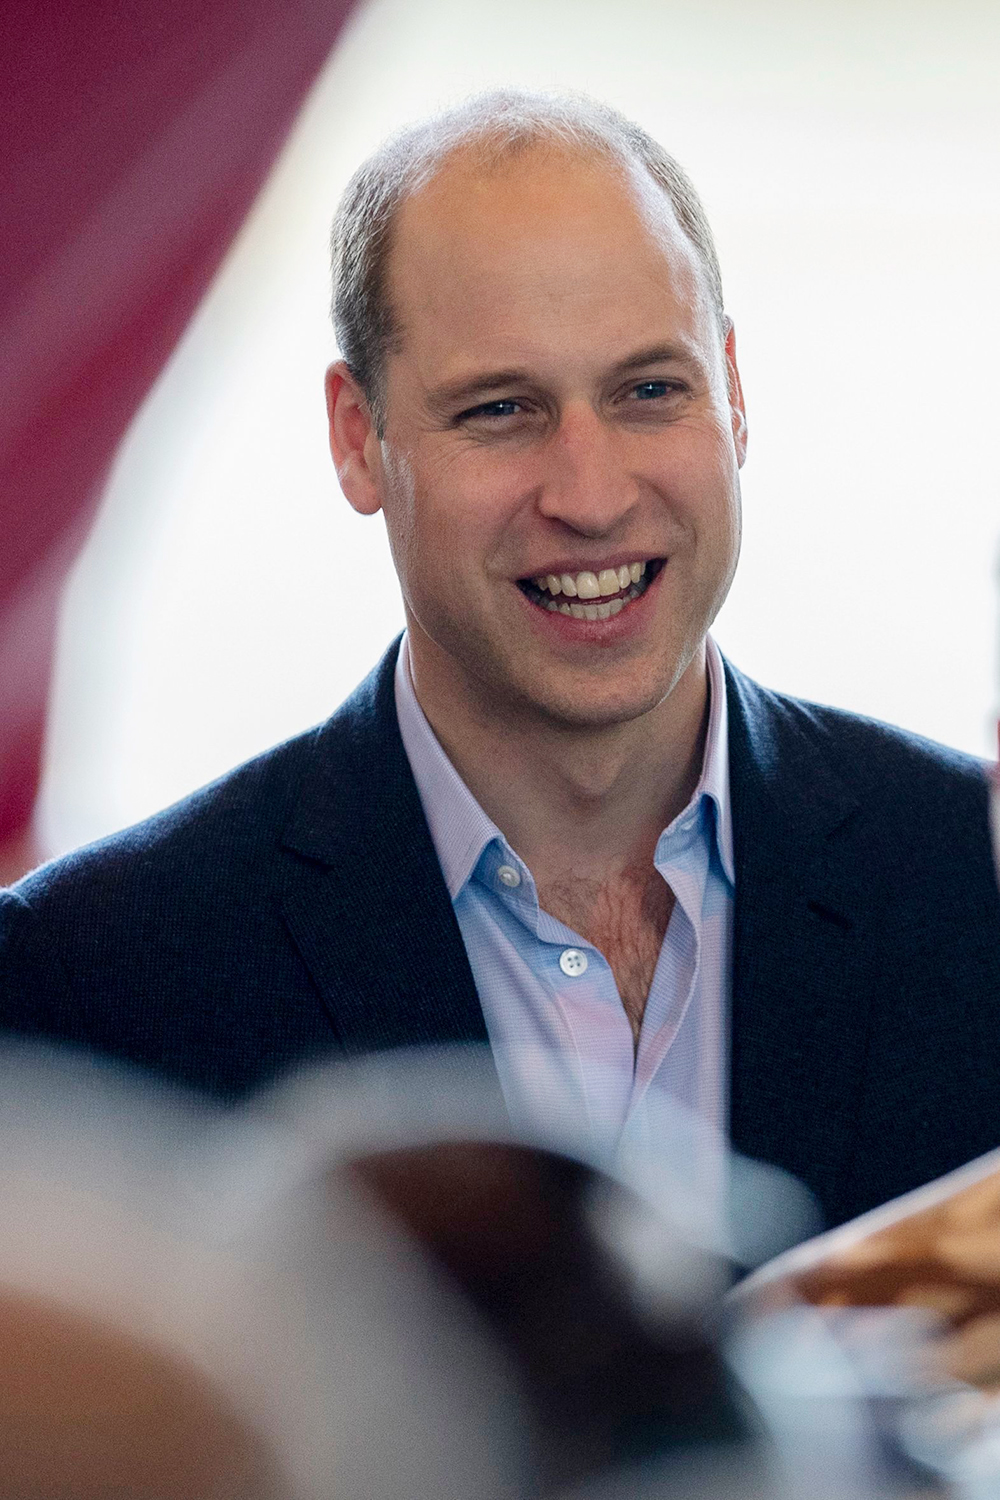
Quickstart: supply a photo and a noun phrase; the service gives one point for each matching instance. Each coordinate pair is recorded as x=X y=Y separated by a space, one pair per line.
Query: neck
x=586 y=799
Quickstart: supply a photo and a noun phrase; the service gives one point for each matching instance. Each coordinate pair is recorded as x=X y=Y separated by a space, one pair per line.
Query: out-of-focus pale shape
x=721 y=1205
x=935 y=1249
x=831 y=1402
x=362 y=1285
x=187 y=1314
x=359 y=1286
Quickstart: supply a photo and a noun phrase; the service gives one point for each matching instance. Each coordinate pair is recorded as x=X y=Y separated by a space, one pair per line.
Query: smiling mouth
x=591 y=595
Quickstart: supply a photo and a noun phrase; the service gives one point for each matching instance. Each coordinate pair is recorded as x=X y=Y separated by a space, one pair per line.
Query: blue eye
x=493 y=409
x=652 y=390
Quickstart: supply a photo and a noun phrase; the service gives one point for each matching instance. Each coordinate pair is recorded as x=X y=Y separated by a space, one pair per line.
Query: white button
x=572 y=962
x=508 y=876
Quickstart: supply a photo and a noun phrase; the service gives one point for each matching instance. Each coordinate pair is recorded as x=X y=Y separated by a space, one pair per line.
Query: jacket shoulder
x=166 y=945
x=865 y=754
x=236 y=820
x=230 y=820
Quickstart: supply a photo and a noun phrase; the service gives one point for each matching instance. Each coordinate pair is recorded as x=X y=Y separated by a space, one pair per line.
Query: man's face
x=561 y=409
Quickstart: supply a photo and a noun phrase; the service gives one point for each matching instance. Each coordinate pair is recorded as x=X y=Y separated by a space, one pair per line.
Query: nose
x=587 y=483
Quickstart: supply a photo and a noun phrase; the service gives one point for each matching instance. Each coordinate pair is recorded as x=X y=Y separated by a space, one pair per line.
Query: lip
x=619 y=629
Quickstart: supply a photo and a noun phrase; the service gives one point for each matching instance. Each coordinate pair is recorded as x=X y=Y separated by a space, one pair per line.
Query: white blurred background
x=848 y=153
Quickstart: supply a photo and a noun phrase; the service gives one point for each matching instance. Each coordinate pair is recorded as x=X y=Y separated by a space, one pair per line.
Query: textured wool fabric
x=296 y=909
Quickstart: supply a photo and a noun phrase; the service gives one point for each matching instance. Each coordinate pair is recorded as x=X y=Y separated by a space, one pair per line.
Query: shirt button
x=572 y=962
x=509 y=877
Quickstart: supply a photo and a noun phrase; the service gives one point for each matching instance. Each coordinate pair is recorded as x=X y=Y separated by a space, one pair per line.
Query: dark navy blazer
x=295 y=909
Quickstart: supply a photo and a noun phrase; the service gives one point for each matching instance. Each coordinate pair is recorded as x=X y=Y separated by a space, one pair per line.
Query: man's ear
x=736 y=405
x=353 y=440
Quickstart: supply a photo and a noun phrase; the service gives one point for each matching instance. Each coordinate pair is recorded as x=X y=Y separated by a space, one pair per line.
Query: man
x=556 y=820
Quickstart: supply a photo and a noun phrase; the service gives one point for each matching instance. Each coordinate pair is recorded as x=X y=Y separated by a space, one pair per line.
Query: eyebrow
x=656 y=354
x=476 y=385
x=480 y=385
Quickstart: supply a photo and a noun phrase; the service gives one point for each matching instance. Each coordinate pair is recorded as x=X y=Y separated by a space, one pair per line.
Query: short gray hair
x=500 y=126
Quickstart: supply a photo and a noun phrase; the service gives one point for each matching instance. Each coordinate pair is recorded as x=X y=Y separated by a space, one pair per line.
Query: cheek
x=704 y=476
x=467 y=506
x=720 y=449
x=445 y=517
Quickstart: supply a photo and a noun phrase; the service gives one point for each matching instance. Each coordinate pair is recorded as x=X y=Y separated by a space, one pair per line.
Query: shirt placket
x=587 y=999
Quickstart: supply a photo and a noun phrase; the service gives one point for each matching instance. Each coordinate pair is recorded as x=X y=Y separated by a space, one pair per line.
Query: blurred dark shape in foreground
x=363 y=1288
x=515 y=1229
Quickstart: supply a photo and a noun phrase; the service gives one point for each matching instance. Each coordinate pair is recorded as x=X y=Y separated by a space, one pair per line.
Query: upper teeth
x=591 y=585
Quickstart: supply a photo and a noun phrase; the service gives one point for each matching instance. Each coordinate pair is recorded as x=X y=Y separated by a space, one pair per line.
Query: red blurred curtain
x=138 y=136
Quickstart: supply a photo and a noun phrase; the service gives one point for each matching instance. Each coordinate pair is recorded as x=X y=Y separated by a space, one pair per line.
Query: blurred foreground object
x=937 y=1250
x=355 y=1288
x=607 y=1296
x=921 y=1275
x=141 y=135
x=88 y=1409
x=538 y=1245
x=601 y=1305
x=363 y=1288
x=185 y=1312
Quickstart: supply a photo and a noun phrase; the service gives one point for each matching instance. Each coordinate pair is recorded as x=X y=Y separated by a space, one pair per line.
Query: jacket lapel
x=801 y=972
x=369 y=909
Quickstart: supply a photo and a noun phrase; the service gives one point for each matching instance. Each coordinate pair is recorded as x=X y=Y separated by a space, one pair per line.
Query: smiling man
x=554 y=819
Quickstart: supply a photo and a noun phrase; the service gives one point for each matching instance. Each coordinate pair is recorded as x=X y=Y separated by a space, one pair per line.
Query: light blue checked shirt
x=558 y=1031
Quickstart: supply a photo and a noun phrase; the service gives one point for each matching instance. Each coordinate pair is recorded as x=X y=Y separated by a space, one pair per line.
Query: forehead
x=554 y=254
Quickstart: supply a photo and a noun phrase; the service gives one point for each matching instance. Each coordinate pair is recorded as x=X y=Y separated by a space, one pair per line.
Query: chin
x=589 y=708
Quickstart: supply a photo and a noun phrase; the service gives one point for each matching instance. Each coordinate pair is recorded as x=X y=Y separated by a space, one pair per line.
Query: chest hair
x=625 y=917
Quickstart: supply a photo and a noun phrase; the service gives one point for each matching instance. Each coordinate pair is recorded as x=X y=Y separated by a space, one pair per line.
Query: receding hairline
x=478 y=161
x=481 y=156
x=489 y=148
x=490 y=132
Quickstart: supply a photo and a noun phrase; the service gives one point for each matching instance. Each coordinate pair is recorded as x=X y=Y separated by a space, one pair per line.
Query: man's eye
x=652 y=390
x=491 y=410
